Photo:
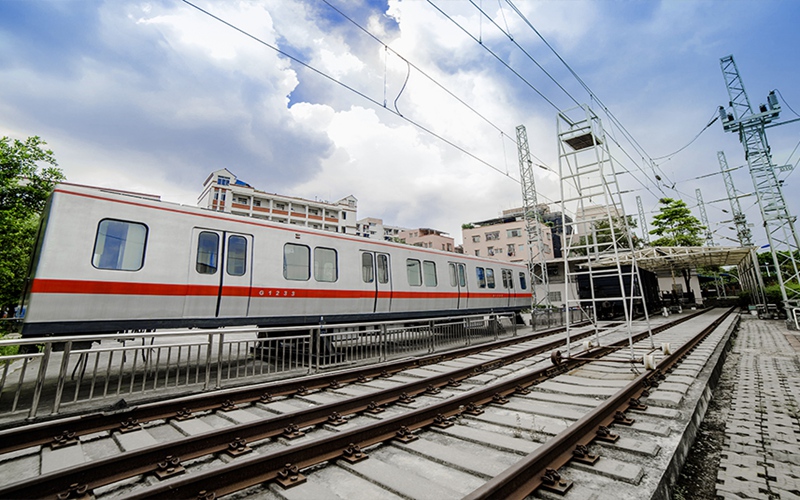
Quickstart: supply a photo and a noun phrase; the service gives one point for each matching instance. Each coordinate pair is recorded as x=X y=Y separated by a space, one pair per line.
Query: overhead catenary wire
x=351 y=89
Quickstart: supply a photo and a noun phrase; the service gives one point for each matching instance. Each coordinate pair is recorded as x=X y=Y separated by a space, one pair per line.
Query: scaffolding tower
x=590 y=190
x=537 y=263
x=743 y=120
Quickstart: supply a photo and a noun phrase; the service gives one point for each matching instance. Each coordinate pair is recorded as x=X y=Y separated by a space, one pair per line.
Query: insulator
x=772 y=100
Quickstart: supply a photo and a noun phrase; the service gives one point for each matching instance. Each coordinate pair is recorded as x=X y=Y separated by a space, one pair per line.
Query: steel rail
x=99 y=473
x=523 y=478
x=247 y=472
x=124 y=419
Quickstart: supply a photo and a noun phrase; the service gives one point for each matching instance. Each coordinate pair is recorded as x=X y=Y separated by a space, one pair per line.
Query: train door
x=508 y=285
x=458 y=278
x=220 y=274
x=376 y=270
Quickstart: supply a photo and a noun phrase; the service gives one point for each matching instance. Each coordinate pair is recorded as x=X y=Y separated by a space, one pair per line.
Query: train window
x=119 y=245
x=462 y=276
x=506 y=278
x=325 y=265
x=237 y=256
x=367 y=268
x=453 y=277
x=414 y=272
x=207 y=253
x=383 y=268
x=490 y=277
x=522 y=283
x=296 y=262
x=481 y=278
x=429 y=273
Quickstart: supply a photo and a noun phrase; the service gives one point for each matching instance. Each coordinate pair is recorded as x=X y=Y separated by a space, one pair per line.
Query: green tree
x=676 y=225
x=604 y=233
x=24 y=189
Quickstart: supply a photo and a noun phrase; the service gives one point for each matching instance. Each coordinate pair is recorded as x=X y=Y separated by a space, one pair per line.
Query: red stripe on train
x=168 y=289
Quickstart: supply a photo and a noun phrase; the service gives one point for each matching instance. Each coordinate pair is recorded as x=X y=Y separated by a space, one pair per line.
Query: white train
x=108 y=261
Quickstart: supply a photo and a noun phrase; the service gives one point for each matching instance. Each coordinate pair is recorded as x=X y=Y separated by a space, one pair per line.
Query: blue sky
x=153 y=96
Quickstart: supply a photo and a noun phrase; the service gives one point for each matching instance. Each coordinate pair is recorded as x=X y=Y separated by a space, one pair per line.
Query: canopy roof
x=665 y=259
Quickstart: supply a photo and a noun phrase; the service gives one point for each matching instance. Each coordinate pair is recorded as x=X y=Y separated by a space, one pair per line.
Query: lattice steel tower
x=590 y=190
x=778 y=222
x=743 y=233
x=704 y=218
x=536 y=263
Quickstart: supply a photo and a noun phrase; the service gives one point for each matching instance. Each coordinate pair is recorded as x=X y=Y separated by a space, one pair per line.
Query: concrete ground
x=760 y=455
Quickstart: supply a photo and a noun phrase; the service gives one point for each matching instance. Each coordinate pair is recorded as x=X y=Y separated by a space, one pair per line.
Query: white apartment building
x=372 y=227
x=223 y=192
x=504 y=238
x=428 y=238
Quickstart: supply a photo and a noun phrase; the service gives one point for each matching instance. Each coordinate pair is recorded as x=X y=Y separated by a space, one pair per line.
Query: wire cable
x=713 y=120
x=355 y=91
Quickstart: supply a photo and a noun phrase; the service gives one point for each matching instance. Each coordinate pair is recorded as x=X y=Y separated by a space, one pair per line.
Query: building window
x=243 y=201
x=223 y=181
x=280 y=206
x=296 y=262
x=511 y=249
x=256 y=203
x=477 y=253
x=490 y=251
x=476 y=238
x=494 y=235
x=237 y=256
x=119 y=245
x=325 y=268
x=513 y=233
x=481 y=274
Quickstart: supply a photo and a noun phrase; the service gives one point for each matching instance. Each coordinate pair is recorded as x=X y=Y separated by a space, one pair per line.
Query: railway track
x=503 y=403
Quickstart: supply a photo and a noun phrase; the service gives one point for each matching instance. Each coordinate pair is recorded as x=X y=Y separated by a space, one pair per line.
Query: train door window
x=429 y=273
x=367 y=268
x=506 y=278
x=490 y=277
x=462 y=276
x=237 y=256
x=119 y=245
x=383 y=268
x=452 y=270
x=325 y=265
x=522 y=284
x=296 y=262
x=481 y=277
x=414 y=272
x=207 y=249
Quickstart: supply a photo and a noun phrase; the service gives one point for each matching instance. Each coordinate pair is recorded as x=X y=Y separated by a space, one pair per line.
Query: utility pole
x=642 y=221
x=704 y=218
x=778 y=222
x=739 y=220
x=751 y=281
x=537 y=263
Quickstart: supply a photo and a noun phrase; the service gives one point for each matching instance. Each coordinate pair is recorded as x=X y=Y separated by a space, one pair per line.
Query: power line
x=351 y=89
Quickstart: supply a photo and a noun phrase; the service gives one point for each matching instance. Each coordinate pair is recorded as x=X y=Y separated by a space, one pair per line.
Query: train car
x=109 y=261
x=606 y=289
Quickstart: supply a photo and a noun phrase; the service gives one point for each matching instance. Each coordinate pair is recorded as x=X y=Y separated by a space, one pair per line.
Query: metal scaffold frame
x=589 y=180
x=778 y=222
x=537 y=263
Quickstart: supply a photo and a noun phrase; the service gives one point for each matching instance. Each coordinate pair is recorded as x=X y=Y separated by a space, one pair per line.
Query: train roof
x=155 y=202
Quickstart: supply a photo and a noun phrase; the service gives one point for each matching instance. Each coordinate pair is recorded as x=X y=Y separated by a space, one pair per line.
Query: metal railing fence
x=82 y=372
